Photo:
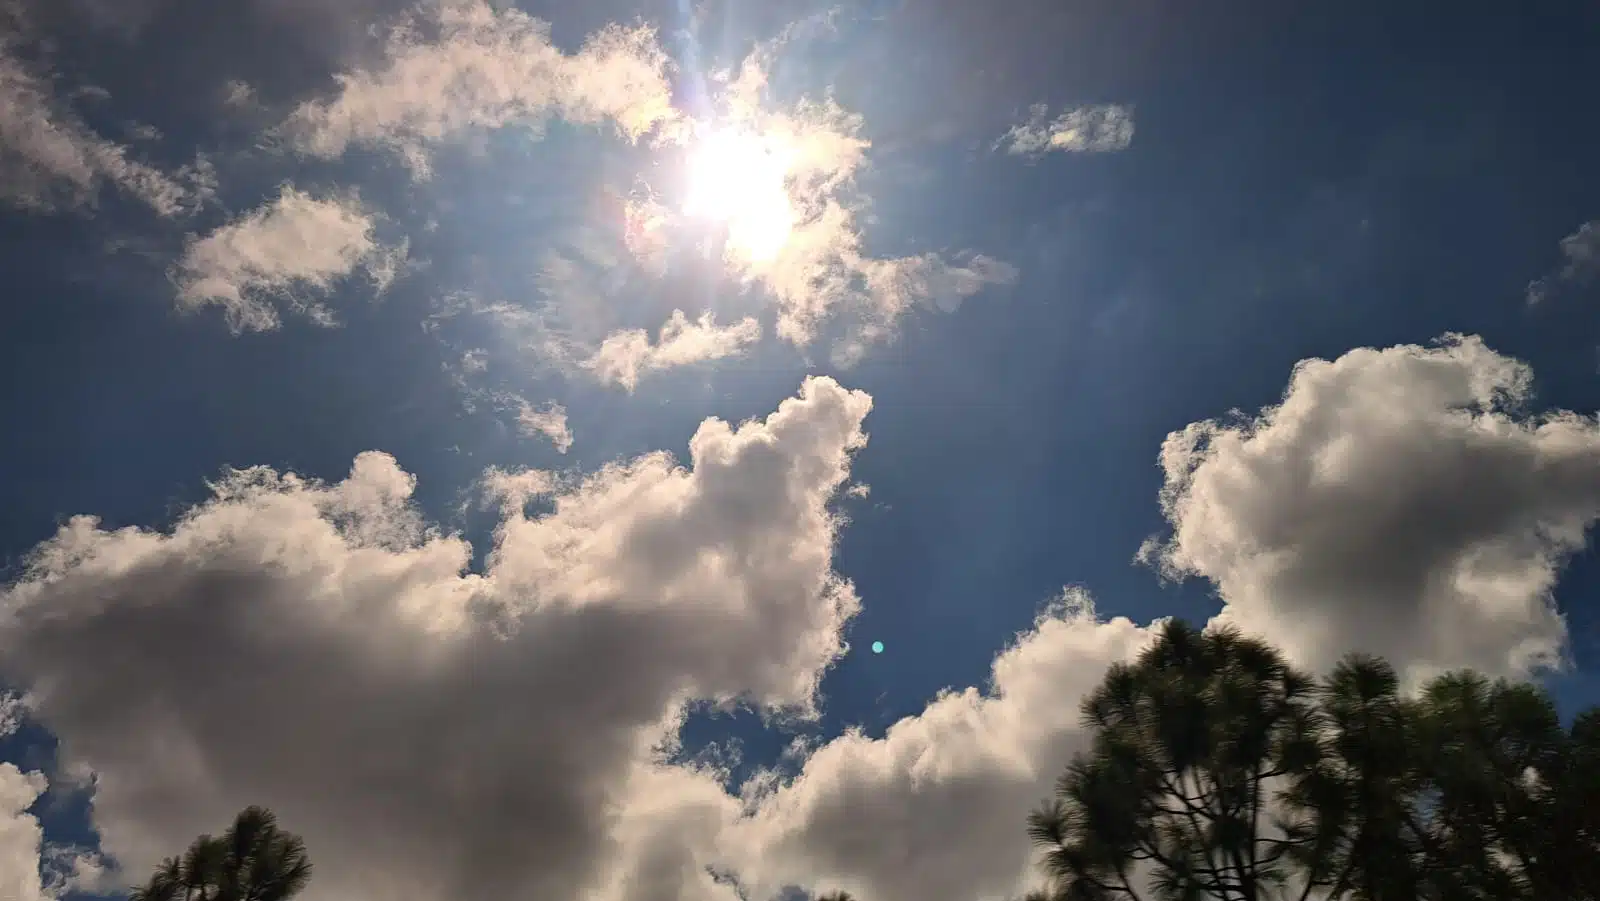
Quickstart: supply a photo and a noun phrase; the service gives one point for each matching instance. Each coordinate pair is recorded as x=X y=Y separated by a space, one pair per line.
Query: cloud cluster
x=457 y=65
x=822 y=270
x=1088 y=129
x=801 y=253
x=289 y=252
x=1396 y=501
x=435 y=732
x=451 y=69
x=626 y=355
x=51 y=159
x=1581 y=250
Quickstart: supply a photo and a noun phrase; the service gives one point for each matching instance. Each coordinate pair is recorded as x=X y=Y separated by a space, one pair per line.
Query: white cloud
x=238 y=94
x=289 y=252
x=549 y=420
x=21 y=838
x=626 y=355
x=12 y=712
x=645 y=222
x=1089 y=129
x=875 y=816
x=1396 y=501
x=51 y=159
x=73 y=870
x=462 y=64
x=1581 y=249
x=821 y=271
x=897 y=285
x=430 y=731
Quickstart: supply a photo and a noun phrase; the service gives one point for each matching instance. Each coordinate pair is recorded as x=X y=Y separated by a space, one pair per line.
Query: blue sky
x=987 y=295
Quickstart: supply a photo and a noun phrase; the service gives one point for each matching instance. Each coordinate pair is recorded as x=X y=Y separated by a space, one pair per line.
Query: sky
x=495 y=435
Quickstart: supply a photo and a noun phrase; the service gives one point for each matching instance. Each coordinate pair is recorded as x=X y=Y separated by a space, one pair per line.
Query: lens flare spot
x=877 y=647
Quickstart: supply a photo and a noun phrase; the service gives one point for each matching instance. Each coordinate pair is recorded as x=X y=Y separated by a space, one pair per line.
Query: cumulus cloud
x=626 y=355
x=1397 y=501
x=21 y=838
x=874 y=816
x=432 y=731
x=549 y=420
x=51 y=159
x=463 y=64
x=1088 y=129
x=289 y=252
x=1581 y=249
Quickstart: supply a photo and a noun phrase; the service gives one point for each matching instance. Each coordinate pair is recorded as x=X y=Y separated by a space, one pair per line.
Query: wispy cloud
x=289 y=252
x=463 y=64
x=549 y=420
x=626 y=355
x=1089 y=129
x=897 y=285
x=1581 y=249
x=51 y=159
x=238 y=94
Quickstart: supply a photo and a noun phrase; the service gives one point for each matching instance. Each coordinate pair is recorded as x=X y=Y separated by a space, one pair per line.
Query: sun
x=740 y=181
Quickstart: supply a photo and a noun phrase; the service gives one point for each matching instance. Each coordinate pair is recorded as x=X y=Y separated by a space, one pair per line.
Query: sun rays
x=738 y=180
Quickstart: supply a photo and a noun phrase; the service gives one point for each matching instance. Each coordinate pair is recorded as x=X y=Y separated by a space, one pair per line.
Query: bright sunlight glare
x=738 y=179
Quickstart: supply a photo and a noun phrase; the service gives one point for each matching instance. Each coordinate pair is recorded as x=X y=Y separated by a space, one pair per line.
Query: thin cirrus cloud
x=1581 y=252
x=1088 y=129
x=50 y=159
x=288 y=253
x=625 y=356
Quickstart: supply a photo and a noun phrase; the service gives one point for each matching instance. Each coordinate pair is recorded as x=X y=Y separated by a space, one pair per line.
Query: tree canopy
x=253 y=861
x=1217 y=770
